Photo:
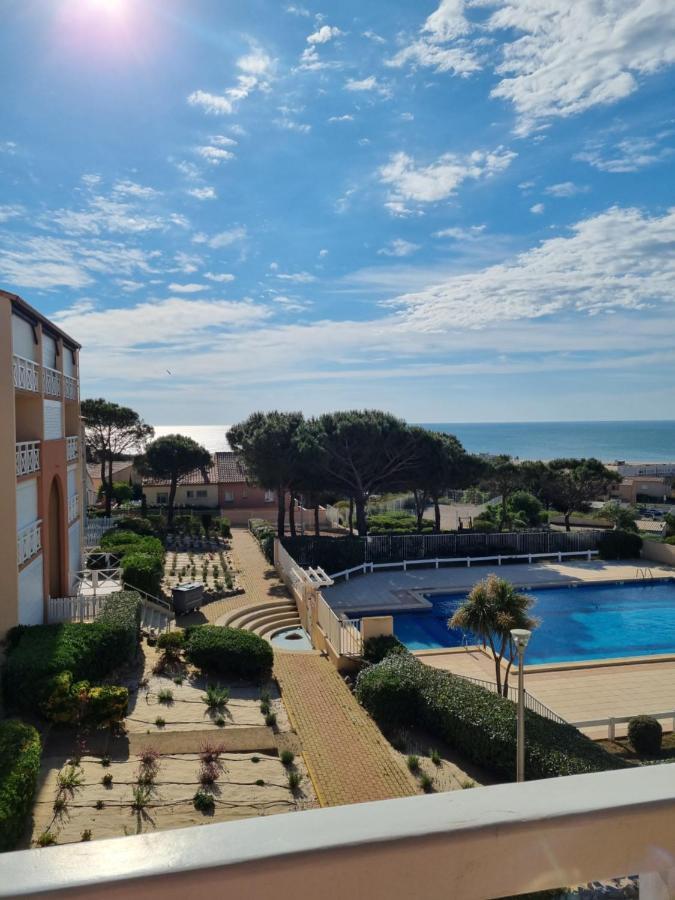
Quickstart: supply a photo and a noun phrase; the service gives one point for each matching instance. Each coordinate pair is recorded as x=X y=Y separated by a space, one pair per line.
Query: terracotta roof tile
x=226 y=468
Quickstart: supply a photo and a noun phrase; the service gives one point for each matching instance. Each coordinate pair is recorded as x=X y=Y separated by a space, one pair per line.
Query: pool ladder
x=644 y=573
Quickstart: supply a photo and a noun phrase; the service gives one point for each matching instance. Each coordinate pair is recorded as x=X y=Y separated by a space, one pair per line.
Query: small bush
x=209 y=772
x=137 y=524
x=645 y=735
x=70 y=778
x=223 y=525
x=46 y=839
x=160 y=722
x=105 y=761
x=255 y=759
x=435 y=757
x=216 y=697
x=165 y=696
x=86 y=835
x=107 y=780
x=99 y=804
x=287 y=757
x=413 y=763
x=403 y=692
x=264 y=533
x=20 y=752
x=376 y=648
x=173 y=641
x=141 y=797
x=220 y=722
x=260 y=782
x=294 y=779
x=426 y=783
x=203 y=801
x=619 y=545
x=143 y=571
x=271 y=719
x=69 y=704
x=229 y=651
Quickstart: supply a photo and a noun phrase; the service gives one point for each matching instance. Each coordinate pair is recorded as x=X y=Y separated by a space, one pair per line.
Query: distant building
x=123 y=470
x=225 y=488
x=638 y=487
x=41 y=463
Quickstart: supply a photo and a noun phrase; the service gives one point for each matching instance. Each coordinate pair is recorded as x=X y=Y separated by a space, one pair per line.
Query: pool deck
x=578 y=692
x=390 y=589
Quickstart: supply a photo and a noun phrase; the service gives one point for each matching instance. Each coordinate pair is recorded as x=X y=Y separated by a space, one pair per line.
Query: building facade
x=41 y=463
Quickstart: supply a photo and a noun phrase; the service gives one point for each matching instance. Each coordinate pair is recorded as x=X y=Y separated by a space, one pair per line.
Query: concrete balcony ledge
x=486 y=842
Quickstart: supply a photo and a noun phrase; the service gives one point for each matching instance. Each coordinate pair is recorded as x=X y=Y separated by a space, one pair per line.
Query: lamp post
x=521 y=637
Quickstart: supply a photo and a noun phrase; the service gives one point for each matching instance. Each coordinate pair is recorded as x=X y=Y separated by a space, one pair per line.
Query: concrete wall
x=661 y=553
x=8 y=550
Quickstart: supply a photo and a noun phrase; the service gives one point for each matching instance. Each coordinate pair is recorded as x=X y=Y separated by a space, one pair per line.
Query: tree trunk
x=109 y=488
x=144 y=505
x=361 y=519
x=506 y=677
x=420 y=498
x=172 y=498
x=291 y=514
x=317 y=527
x=351 y=517
x=437 y=515
x=567 y=521
x=498 y=669
x=281 y=512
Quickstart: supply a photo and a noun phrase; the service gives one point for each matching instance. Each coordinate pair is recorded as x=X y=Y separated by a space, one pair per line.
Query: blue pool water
x=587 y=622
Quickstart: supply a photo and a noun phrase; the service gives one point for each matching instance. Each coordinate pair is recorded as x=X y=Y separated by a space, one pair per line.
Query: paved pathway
x=346 y=755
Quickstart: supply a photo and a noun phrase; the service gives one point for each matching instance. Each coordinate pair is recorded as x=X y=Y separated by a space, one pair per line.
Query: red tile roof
x=226 y=468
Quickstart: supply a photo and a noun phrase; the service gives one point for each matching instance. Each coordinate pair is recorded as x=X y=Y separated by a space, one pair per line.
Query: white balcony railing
x=29 y=541
x=69 y=387
x=73 y=507
x=52 y=381
x=489 y=842
x=26 y=373
x=27 y=457
x=72 y=447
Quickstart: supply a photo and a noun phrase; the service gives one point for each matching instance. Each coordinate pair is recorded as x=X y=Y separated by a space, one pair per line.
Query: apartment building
x=41 y=463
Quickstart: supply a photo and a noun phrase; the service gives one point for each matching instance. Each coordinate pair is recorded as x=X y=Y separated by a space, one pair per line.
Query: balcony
x=26 y=374
x=69 y=387
x=51 y=379
x=467 y=845
x=72 y=448
x=27 y=458
x=29 y=541
x=73 y=507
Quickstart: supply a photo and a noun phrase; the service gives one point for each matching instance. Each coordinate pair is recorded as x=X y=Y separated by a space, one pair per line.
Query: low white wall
x=662 y=553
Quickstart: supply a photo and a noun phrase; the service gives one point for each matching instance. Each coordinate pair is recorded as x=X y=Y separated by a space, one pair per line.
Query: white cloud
x=258 y=68
x=461 y=234
x=296 y=277
x=619 y=259
x=448 y=24
x=440 y=179
x=374 y=36
x=187 y=262
x=291 y=125
x=298 y=11
x=537 y=209
x=369 y=84
x=129 y=286
x=186 y=288
x=10 y=211
x=91 y=180
x=222 y=140
x=291 y=304
x=214 y=155
x=8 y=147
x=220 y=278
x=398 y=247
x=203 y=193
x=345 y=118
x=324 y=34
x=627 y=155
x=223 y=238
x=323 y=252
x=105 y=214
x=566 y=189
x=132 y=189
x=574 y=55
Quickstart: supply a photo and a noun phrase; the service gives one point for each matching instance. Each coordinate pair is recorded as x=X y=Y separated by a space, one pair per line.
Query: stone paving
x=347 y=757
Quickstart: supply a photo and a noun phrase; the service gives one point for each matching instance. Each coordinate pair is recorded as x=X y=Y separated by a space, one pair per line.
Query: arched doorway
x=54 y=540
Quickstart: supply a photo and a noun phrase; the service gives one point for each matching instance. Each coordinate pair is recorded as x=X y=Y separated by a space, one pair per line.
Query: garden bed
x=213 y=567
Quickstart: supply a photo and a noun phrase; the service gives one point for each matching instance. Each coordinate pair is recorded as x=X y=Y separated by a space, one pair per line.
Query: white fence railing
x=73 y=507
x=74 y=609
x=91 y=582
x=468 y=561
x=26 y=373
x=512 y=694
x=343 y=634
x=72 y=447
x=27 y=457
x=95 y=529
x=69 y=387
x=51 y=379
x=612 y=721
x=29 y=541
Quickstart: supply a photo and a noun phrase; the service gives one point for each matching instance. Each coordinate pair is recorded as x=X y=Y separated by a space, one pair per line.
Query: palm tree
x=490 y=611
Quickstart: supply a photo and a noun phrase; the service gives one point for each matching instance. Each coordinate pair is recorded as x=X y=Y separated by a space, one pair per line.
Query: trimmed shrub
x=143 y=571
x=124 y=543
x=223 y=526
x=397 y=523
x=173 y=641
x=376 y=648
x=137 y=524
x=619 y=545
x=69 y=704
x=401 y=691
x=645 y=734
x=229 y=651
x=20 y=752
x=86 y=650
x=264 y=533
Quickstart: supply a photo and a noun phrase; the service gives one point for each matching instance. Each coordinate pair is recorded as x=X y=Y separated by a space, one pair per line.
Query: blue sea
x=641 y=441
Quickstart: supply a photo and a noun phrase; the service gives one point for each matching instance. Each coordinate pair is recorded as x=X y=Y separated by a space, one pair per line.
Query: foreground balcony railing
x=72 y=447
x=29 y=541
x=469 y=845
x=52 y=381
x=69 y=387
x=26 y=373
x=27 y=457
x=73 y=507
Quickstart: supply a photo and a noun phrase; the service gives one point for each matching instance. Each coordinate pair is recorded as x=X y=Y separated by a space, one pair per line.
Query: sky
x=457 y=212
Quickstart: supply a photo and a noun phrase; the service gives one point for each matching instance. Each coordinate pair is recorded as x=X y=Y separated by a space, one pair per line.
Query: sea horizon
x=632 y=440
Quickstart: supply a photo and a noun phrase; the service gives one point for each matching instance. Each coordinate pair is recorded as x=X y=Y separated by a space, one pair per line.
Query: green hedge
x=264 y=533
x=20 y=752
x=123 y=543
x=69 y=703
x=401 y=691
x=88 y=651
x=375 y=649
x=397 y=523
x=229 y=651
x=143 y=571
x=619 y=545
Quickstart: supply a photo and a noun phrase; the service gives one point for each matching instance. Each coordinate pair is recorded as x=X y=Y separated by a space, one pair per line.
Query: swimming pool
x=598 y=621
